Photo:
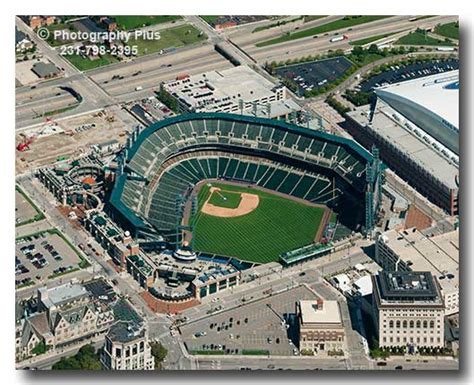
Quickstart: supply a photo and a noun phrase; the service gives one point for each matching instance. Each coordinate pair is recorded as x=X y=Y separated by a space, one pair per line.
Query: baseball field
x=251 y=224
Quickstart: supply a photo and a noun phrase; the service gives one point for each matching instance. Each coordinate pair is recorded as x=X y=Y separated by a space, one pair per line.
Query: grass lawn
x=308 y=18
x=84 y=63
x=39 y=215
x=277 y=225
x=418 y=38
x=56 y=27
x=332 y=26
x=370 y=39
x=136 y=21
x=227 y=199
x=209 y=18
x=172 y=37
x=277 y=24
x=450 y=30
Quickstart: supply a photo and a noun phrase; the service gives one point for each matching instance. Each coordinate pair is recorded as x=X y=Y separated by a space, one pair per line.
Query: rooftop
x=438 y=254
x=439 y=165
x=329 y=313
x=62 y=294
x=214 y=90
x=438 y=93
x=45 y=69
x=123 y=331
x=412 y=286
x=123 y=311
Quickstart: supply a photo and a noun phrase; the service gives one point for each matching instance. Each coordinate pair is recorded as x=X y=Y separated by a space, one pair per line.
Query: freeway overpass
x=99 y=90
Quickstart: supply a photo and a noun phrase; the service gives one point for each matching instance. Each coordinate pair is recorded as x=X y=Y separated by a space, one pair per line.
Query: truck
x=139 y=88
x=338 y=38
x=445 y=49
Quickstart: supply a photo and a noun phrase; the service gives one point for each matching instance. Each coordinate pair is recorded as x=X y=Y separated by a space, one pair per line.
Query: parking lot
x=265 y=326
x=41 y=256
x=24 y=210
x=399 y=73
x=313 y=75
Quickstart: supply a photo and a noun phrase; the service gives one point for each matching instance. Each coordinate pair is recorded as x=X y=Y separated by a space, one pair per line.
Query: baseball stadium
x=249 y=188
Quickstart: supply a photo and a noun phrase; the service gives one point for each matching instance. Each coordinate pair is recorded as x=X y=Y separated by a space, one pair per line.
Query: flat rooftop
x=412 y=286
x=438 y=93
x=438 y=254
x=330 y=312
x=61 y=294
x=124 y=332
x=212 y=91
x=424 y=154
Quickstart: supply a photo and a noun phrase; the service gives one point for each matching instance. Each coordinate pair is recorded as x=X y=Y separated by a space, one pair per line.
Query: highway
x=310 y=46
x=150 y=70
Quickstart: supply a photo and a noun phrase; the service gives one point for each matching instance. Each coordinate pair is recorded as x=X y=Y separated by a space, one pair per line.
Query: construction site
x=55 y=141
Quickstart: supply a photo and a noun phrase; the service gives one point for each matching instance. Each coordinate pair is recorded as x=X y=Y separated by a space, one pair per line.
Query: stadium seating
x=183 y=151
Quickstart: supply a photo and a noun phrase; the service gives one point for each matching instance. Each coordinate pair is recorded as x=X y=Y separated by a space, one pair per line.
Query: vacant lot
x=84 y=63
x=172 y=37
x=25 y=210
x=136 y=21
x=277 y=225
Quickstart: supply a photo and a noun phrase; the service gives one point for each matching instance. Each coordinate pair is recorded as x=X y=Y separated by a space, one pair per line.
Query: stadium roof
x=438 y=93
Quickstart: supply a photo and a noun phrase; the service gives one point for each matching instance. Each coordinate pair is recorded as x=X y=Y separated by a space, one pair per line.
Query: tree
x=373 y=49
x=85 y=359
x=40 y=348
x=159 y=352
x=357 y=50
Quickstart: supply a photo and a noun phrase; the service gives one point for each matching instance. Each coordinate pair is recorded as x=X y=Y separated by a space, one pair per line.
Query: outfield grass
x=332 y=26
x=277 y=225
x=133 y=22
x=418 y=38
x=450 y=30
x=370 y=39
x=171 y=37
x=227 y=199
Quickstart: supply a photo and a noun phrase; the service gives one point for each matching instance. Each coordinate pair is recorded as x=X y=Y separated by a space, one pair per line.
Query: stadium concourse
x=163 y=163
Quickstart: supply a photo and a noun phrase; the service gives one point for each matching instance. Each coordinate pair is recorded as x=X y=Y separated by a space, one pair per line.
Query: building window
x=398 y=324
x=425 y=324
x=412 y=324
x=390 y=324
x=418 y=324
x=404 y=324
x=432 y=324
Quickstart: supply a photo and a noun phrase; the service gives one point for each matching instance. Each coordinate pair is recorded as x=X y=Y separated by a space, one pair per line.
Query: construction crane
x=25 y=144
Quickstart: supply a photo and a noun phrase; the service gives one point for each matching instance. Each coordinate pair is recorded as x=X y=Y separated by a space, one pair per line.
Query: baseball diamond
x=295 y=173
x=276 y=224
